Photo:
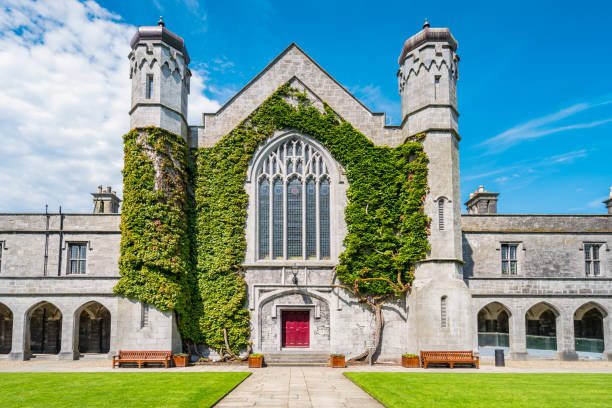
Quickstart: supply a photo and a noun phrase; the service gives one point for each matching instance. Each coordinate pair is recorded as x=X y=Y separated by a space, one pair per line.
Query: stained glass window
x=311 y=219
x=299 y=211
x=264 y=219
x=294 y=218
x=324 y=218
x=277 y=220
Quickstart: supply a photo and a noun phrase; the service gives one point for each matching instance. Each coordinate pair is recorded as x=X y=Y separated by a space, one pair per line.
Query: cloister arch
x=44 y=326
x=589 y=328
x=541 y=326
x=92 y=328
x=6 y=329
x=494 y=325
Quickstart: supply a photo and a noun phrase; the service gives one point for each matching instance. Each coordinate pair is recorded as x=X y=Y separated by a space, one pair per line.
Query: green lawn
x=474 y=390
x=153 y=389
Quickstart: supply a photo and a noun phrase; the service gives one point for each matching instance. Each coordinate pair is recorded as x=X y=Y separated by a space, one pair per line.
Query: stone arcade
x=533 y=284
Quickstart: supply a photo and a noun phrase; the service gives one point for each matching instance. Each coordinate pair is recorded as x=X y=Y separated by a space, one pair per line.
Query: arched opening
x=292 y=187
x=94 y=329
x=494 y=326
x=6 y=329
x=541 y=325
x=589 y=328
x=45 y=323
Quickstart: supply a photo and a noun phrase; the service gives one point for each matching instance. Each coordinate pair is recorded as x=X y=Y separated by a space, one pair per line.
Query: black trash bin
x=499 y=358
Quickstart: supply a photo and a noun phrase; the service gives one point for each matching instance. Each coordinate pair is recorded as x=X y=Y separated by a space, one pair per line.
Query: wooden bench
x=142 y=357
x=449 y=357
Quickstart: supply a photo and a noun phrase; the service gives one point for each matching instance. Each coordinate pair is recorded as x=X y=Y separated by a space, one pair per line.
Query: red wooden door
x=296 y=328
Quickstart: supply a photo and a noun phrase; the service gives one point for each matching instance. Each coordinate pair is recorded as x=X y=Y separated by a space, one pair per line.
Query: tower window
x=441 y=214
x=298 y=204
x=591 y=259
x=443 y=313
x=436 y=86
x=149 y=90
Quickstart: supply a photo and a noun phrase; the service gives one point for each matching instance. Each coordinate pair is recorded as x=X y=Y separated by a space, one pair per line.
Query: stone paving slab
x=298 y=387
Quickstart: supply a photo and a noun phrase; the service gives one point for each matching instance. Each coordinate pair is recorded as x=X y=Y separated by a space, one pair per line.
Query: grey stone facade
x=460 y=295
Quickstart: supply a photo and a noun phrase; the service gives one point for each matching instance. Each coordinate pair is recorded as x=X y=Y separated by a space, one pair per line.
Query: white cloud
x=198 y=103
x=64 y=102
x=372 y=96
x=529 y=167
x=542 y=126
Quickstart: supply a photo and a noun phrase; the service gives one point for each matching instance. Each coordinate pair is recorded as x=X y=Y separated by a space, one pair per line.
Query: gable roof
x=293 y=62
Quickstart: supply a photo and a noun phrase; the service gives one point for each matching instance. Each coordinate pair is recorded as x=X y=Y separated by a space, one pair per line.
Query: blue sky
x=535 y=90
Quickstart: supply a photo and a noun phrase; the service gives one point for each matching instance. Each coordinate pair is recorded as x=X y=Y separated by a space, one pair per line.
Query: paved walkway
x=298 y=387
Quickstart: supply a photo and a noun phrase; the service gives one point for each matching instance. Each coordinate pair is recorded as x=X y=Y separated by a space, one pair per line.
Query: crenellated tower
x=440 y=300
x=428 y=88
x=160 y=79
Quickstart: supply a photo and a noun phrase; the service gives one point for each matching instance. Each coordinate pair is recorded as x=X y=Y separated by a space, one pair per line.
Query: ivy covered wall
x=387 y=229
x=157 y=253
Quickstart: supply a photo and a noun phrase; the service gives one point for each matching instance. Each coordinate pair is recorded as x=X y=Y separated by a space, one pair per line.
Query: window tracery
x=296 y=209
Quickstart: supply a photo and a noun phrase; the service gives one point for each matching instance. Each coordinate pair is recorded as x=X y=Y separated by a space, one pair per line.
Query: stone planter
x=256 y=361
x=410 y=362
x=180 y=360
x=337 y=361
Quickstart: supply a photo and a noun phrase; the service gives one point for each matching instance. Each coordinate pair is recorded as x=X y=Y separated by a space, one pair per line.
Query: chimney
x=608 y=202
x=105 y=201
x=482 y=202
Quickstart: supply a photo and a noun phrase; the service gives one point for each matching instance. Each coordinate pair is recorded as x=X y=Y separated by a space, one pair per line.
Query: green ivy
x=387 y=229
x=156 y=255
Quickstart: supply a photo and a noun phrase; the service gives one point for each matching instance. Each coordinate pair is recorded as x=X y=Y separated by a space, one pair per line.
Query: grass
x=442 y=390
x=115 y=389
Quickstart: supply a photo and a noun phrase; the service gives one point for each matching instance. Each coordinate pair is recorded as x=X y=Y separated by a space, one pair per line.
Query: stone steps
x=293 y=359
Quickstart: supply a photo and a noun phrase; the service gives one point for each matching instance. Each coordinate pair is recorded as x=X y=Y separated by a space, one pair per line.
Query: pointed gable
x=294 y=65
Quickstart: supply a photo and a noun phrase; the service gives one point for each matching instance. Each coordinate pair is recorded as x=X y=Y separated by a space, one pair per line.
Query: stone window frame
x=520 y=249
x=2 y=250
x=145 y=311
x=67 y=247
x=337 y=200
x=589 y=262
x=444 y=312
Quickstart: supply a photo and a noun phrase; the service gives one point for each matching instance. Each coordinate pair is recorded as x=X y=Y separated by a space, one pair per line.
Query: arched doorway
x=45 y=323
x=588 y=328
x=94 y=328
x=6 y=329
x=541 y=325
x=494 y=326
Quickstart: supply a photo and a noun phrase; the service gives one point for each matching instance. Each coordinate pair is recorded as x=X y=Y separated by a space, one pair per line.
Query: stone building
x=536 y=285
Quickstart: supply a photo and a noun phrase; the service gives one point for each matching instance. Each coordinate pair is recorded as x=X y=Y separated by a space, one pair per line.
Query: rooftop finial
x=426 y=24
x=161 y=22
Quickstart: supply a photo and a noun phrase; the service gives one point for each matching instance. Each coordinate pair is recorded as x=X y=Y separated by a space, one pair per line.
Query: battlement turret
x=160 y=79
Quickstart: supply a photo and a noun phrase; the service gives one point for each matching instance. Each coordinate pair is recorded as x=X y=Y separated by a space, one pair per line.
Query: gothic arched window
x=296 y=209
x=441 y=214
